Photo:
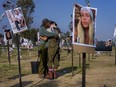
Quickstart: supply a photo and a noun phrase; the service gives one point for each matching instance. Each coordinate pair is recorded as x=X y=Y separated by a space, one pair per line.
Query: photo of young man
x=16 y=19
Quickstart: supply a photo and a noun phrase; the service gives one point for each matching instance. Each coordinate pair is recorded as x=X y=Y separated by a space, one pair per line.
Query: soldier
x=53 y=52
x=44 y=36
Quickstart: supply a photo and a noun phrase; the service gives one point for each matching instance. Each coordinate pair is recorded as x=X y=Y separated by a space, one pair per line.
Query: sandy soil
x=101 y=73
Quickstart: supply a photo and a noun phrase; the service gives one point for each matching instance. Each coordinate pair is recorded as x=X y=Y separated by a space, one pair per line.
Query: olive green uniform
x=53 y=59
x=43 y=68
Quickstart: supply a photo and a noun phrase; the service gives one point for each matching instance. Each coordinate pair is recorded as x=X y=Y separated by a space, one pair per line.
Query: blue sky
x=60 y=11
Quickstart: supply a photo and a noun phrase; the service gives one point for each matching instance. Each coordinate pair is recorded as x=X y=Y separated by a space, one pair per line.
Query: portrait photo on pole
x=38 y=38
x=17 y=20
x=8 y=34
x=84 y=25
x=115 y=32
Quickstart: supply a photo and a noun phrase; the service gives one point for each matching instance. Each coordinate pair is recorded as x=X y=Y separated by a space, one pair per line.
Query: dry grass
x=65 y=68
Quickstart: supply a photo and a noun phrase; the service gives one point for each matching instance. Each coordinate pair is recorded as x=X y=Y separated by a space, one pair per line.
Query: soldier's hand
x=56 y=36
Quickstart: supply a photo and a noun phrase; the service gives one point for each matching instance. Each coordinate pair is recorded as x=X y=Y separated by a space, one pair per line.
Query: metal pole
x=8 y=52
x=72 y=59
x=92 y=55
x=115 y=52
x=0 y=50
x=84 y=70
x=19 y=65
x=79 y=60
x=89 y=57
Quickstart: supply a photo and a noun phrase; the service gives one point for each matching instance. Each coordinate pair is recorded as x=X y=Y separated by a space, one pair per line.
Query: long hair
x=81 y=32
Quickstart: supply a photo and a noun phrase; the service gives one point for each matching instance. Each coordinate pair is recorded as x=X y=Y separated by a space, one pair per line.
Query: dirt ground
x=101 y=73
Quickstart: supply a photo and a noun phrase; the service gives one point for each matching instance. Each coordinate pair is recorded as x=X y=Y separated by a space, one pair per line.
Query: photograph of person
x=84 y=25
x=114 y=31
x=16 y=19
x=8 y=34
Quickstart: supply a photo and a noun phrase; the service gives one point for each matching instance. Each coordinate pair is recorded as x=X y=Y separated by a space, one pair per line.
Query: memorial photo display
x=16 y=19
x=84 y=25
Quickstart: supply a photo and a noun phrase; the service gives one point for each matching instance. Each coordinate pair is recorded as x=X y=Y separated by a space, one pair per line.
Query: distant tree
x=27 y=8
x=1 y=36
x=33 y=33
x=67 y=34
x=14 y=38
x=30 y=34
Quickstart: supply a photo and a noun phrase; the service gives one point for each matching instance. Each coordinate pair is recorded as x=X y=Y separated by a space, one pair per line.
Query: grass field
x=27 y=56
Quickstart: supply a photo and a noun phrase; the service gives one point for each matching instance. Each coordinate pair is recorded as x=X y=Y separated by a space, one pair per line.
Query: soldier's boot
x=49 y=74
x=41 y=75
x=55 y=74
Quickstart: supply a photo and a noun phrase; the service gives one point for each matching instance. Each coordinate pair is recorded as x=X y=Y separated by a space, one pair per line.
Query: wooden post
x=79 y=60
x=72 y=59
x=115 y=42
x=8 y=52
x=84 y=70
x=19 y=65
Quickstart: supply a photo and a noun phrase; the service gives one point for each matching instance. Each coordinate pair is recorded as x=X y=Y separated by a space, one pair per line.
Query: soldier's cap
x=53 y=22
x=44 y=21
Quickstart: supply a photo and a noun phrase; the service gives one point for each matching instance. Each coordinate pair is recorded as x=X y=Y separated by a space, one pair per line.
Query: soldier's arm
x=43 y=38
x=44 y=32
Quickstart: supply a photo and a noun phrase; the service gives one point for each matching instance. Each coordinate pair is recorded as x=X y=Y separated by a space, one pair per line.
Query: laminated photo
x=84 y=20
x=17 y=20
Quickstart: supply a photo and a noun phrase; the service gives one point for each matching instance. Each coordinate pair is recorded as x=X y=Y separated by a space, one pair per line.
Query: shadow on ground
x=51 y=83
x=23 y=84
x=66 y=70
x=42 y=83
x=16 y=76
